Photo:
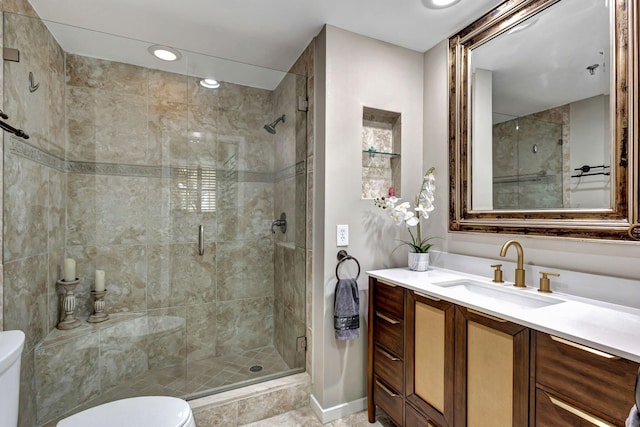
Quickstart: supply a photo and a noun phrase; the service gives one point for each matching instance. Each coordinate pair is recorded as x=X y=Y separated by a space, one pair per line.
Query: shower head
x=271 y=127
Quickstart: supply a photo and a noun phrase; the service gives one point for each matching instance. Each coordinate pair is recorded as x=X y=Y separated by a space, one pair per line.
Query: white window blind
x=197 y=189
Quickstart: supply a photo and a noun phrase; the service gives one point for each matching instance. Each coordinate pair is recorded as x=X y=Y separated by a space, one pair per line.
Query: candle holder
x=98 y=307
x=69 y=320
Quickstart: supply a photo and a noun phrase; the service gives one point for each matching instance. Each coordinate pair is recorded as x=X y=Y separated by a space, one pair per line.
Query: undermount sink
x=514 y=298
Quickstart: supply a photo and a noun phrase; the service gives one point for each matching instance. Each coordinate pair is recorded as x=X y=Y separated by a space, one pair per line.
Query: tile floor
x=304 y=417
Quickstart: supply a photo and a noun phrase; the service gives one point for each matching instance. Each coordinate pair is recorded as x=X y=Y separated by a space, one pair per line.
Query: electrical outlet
x=342 y=235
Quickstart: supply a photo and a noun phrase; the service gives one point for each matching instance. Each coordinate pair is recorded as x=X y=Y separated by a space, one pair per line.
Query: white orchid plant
x=403 y=214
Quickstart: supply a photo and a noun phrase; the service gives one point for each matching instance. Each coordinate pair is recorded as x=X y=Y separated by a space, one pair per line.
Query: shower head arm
x=271 y=127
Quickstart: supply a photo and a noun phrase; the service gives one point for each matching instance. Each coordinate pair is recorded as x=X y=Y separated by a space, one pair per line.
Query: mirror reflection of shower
x=271 y=128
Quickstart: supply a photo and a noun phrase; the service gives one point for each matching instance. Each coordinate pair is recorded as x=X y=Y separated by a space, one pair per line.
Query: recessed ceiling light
x=210 y=83
x=439 y=4
x=165 y=53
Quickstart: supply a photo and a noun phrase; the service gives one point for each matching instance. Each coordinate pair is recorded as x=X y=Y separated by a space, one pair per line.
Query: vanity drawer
x=388 y=367
x=552 y=411
x=413 y=418
x=390 y=299
x=388 y=333
x=388 y=399
x=596 y=381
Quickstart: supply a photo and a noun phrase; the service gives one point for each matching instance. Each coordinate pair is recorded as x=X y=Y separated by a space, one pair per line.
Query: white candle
x=99 y=280
x=69 y=270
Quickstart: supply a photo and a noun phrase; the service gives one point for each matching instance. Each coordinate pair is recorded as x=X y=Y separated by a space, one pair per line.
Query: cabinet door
x=492 y=371
x=429 y=357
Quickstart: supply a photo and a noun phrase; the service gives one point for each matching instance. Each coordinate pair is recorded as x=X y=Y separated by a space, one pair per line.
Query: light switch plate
x=342 y=235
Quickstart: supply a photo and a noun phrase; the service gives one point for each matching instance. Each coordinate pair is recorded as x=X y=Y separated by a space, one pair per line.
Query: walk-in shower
x=124 y=163
x=271 y=127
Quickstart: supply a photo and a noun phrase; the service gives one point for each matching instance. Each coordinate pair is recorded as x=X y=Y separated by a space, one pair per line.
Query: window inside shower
x=127 y=158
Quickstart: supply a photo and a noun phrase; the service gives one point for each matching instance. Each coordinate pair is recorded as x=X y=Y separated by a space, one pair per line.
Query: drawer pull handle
x=420 y=294
x=391 y=285
x=387 y=318
x=386 y=390
x=579 y=412
x=388 y=355
x=430 y=424
x=488 y=316
x=584 y=348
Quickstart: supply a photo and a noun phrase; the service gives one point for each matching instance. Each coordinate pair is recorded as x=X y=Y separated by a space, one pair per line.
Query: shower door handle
x=201 y=240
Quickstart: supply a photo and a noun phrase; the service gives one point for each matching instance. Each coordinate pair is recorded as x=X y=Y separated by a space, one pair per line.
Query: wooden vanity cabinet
x=385 y=378
x=577 y=386
x=491 y=371
x=429 y=360
x=432 y=363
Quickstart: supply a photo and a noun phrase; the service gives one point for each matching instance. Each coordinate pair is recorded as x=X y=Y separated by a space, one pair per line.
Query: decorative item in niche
x=381 y=146
x=403 y=214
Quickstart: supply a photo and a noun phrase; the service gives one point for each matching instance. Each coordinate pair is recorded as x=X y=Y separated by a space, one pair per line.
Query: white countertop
x=611 y=328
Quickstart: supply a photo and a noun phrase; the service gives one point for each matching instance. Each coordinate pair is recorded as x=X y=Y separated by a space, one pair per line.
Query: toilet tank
x=11 y=344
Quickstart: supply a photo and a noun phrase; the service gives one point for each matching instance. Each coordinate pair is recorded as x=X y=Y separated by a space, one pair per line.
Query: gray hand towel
x=346 y=310
x=634 y=418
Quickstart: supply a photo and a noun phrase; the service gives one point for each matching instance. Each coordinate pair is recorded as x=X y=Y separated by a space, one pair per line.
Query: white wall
x=482 y=140
x=589 y=139
x=352 y=72
x=607 y=258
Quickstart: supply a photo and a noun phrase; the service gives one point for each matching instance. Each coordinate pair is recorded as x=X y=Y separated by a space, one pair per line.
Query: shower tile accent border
x=92 y=168
x=35 y=154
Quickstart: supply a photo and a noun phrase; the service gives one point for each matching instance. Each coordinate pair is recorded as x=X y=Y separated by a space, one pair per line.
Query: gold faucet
x=520 y=268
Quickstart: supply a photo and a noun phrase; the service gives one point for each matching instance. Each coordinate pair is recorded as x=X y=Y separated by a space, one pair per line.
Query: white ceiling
x=545 y=65
x=269 y=34
x=220 y=38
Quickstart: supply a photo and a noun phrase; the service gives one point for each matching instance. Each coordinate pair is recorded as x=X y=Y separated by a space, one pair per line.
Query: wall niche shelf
x=381 y=148
x=373 y=153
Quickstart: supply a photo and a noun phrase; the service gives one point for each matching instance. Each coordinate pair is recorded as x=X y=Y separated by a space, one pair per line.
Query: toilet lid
x=152 y=411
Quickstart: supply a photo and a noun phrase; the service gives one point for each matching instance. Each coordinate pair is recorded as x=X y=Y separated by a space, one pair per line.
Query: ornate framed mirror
x=543 y=120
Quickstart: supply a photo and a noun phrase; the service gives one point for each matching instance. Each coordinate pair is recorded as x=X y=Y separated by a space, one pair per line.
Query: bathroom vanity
x=453 y=349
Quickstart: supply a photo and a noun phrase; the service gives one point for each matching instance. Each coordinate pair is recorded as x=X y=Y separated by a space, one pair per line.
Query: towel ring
x=342 y=257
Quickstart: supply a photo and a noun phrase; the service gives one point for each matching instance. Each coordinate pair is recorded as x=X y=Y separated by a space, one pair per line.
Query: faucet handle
x=545 y=282
x=497 y=274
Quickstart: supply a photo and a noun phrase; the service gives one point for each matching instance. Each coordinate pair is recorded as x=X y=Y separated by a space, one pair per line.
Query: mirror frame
x=616 y=223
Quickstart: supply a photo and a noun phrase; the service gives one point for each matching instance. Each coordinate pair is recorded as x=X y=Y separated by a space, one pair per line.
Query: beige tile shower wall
x=132 y=225
x=34 y=188
x=126 y=216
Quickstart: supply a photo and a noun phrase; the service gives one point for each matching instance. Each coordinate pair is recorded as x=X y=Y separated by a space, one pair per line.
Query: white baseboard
x=336 y=412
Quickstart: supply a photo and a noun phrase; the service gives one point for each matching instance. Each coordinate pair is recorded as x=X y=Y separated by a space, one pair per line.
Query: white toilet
x=145 y=411
x=11 y=345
